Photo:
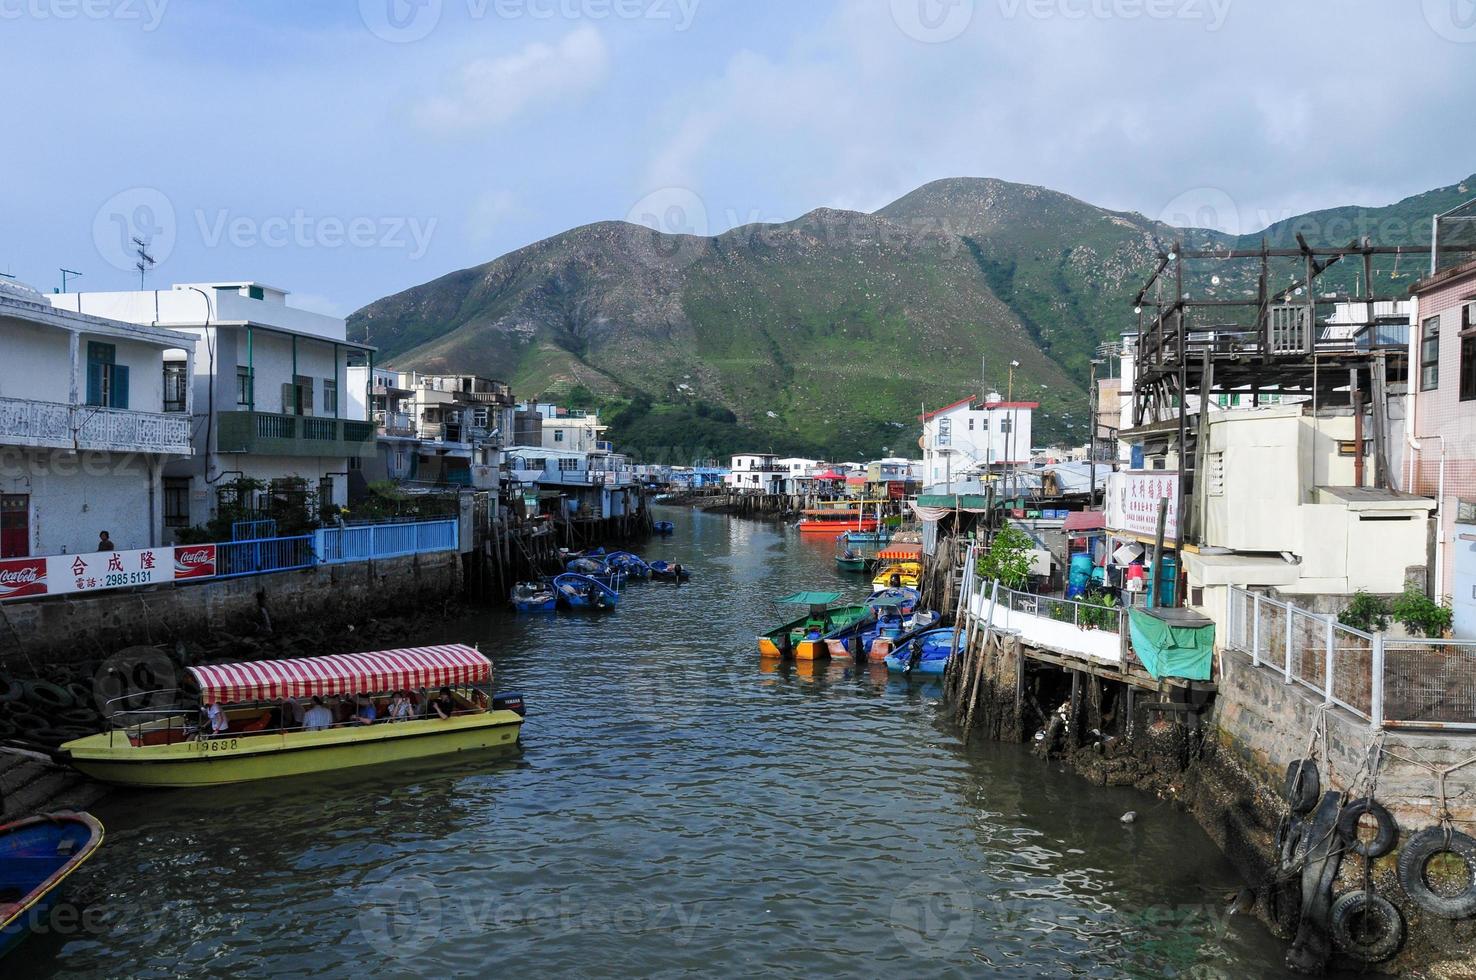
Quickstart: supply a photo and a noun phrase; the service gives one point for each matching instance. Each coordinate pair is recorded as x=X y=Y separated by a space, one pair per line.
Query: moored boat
x=534 y=597
x=835 y=520
x=664 y=527
x=807 y=638
x=585 y=592
x=926 y=653
x=257 y=733
x=629 y=565
x=37 y=855
x=670 y=571
x=853 y=561
x=902 y=574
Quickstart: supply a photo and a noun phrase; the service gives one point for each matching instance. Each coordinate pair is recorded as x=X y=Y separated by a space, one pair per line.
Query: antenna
x=69 y=272
x=145 y=260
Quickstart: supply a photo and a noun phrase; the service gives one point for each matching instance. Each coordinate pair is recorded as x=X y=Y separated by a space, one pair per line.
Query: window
x=175 y=381
x=1468 y=368
x=297 y=396
x=568 y=465
x=107 y=381
x=1430 y=354
x=243 y=386
x=176 y=501
x=256 y=292
x=15 y=525
x=558 y=435
x=330 y=396
x=971 y=425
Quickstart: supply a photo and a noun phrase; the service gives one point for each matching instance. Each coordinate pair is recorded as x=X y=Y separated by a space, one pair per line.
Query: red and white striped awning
x=349 y=673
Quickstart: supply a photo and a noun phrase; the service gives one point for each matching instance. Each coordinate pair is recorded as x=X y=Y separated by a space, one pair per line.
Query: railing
x=316 y=428
x=337 y=545
x=1066 y=626
x=236 y=558
x=28 y=422
x=276 y=426
x=254 y=530
x=1389 y=682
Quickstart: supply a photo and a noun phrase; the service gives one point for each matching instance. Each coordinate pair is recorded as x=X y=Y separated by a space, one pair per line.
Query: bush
x=1421 y=615
x=1099 y=612
x=1366 y=612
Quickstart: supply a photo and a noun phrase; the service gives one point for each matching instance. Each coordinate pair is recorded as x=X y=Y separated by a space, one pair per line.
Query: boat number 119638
x=217 y=745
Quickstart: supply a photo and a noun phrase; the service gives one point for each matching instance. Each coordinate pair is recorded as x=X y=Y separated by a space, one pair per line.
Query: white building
x=435 y=429
x=91 y=410
x=268 y=394
x=757 y=473
x=970 y=438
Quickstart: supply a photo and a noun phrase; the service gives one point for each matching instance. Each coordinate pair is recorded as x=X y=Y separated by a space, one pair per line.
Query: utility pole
x=1092 y=448
x=69 y=272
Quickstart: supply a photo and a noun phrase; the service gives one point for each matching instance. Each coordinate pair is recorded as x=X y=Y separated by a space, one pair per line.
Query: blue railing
x=236 y=558
x=253 y=530
x=370 y=541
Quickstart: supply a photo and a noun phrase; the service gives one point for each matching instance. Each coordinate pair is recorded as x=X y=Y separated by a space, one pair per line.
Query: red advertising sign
x=20 y=577
x=194 y=561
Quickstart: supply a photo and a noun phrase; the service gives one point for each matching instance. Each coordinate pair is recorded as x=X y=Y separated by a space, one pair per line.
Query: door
x=1463 y=588
x=15 y=525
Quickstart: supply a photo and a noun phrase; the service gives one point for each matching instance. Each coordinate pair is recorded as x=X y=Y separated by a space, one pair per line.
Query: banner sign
x=98 y=571
x=1133 y=503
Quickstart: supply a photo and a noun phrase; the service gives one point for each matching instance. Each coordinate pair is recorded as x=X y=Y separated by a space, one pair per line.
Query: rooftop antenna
x=145 y=260
x=69 y=272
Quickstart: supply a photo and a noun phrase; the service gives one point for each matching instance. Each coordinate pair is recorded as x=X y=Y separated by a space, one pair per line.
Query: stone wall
x=82 y=629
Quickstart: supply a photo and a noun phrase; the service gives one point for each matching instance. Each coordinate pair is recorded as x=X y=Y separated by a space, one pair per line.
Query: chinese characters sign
x=1133 y=504
x=98 y=571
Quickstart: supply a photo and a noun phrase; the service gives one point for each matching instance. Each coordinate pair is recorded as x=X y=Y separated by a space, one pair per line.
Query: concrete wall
x=74 y=496
x=75 y=630
x=1268 y=722
x=38 y=365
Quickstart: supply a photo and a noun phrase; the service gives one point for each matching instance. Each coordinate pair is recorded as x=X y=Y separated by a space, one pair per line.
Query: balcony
x=395 y=424
x=53 y=425
x=268 y=434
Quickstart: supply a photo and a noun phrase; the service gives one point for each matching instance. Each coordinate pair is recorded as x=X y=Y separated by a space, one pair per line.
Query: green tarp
x=1173 y=649
x=811 y=598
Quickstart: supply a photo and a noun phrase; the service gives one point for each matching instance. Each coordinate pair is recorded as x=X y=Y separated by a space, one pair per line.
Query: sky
x=345 y=150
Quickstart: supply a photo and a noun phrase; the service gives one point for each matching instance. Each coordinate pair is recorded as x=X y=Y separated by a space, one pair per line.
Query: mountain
x=825 y=336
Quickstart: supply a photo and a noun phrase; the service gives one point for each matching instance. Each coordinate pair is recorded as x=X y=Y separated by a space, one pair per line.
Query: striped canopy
x=901 y=552
x=350 y=673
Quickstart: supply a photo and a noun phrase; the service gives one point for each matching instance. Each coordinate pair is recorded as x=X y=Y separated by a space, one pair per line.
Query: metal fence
x=1389 y=682
x=369 y=541
x=1083 y=615
x=255 y=557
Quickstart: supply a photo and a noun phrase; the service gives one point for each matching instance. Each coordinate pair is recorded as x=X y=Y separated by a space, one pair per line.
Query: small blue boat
x=584 y=592
x=534 y=597
x=925 y=654
x=664 y=527
x=36 y=856
x=632 y=566
x=903 y=597
x=866 y=537
x=669 y=571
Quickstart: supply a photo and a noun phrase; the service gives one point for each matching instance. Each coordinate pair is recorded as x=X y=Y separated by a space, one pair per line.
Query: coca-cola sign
x=21 y=577
x=194 y=561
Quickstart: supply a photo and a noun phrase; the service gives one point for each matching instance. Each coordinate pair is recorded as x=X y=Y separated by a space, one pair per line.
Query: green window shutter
x=120 y=386
x=99 y=353
x=94 y=382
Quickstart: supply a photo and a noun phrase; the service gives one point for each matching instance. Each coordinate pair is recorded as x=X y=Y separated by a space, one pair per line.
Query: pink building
x=1441 y=429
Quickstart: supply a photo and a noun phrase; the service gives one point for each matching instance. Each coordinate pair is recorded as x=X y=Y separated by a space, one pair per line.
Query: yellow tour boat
x=293 y=717
x=903 y=573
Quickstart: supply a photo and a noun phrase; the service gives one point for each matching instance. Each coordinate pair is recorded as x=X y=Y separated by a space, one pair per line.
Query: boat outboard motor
x=510 y=701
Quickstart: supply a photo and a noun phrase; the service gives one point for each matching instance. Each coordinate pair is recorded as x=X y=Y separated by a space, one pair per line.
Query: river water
x=678 y=808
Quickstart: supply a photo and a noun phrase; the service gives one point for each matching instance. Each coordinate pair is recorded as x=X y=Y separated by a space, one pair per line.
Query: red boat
x=835 y=520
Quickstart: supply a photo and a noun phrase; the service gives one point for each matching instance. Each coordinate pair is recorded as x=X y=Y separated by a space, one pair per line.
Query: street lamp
x=1010 y=388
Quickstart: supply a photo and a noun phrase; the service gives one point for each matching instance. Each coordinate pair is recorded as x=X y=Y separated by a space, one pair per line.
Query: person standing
x=105 y=543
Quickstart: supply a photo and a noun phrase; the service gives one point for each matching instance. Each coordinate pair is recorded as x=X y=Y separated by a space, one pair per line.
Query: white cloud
x=491 y=91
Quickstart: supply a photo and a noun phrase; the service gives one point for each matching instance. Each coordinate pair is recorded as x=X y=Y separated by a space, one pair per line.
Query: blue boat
x=534 y=597
x=926 y=654
x=669 y=571
x=903 y=597
x=866 y=537
x=664 y=527
x=632 y=566
x=584 y=592
x=36 y=856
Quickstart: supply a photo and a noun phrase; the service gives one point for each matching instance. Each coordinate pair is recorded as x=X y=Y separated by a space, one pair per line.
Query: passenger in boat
x=286 y=714
x=364 y=711
x=317 y=718
x=215 y=720
x=443 y=705
x=401 y=708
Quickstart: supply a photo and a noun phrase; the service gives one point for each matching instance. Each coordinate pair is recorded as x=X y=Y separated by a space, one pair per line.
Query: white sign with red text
x=1133 y=503
x=95 y=571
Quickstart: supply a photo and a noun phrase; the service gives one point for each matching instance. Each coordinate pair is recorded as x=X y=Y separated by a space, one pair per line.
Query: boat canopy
x=901 y=552
x=350 y=673
x=811 y=598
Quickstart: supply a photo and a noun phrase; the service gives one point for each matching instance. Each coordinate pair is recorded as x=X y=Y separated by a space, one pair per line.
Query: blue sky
x=348 y=149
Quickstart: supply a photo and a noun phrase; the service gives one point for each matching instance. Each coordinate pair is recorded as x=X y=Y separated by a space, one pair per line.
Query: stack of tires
x=47 y=711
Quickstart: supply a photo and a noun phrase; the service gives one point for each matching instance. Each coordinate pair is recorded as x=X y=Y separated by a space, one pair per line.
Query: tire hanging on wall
x=1303 y=786
x=1384 y=839
x=1416 y=855
x=1366 y=926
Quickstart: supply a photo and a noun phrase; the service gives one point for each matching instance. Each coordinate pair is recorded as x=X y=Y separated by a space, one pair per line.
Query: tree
x=1008 y=559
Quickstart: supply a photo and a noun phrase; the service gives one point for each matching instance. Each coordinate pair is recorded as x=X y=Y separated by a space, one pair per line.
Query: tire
x=1366 y=926
x=1288 y=837
x=77 y=716
x=1418 y=851
x=1303 y=786
x=48 y=694
x=10 y=689
x=1384 y=840
x=81 y=694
